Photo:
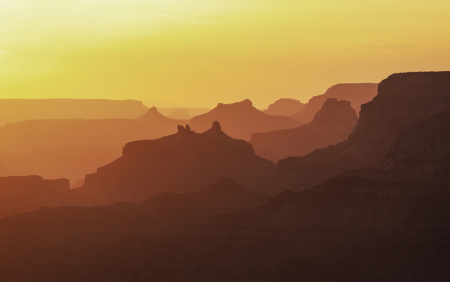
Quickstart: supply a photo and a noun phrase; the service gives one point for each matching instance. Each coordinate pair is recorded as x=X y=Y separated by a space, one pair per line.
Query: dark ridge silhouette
x=224 y=195
x=240 y=120
x=402 y=100
x=180 y=114
x=356 y=93
x=184 y=161
x=20 y=194
x=331 y=125
x=72 y=148
x=17 y=110
x=284 y=107
x=385 y=223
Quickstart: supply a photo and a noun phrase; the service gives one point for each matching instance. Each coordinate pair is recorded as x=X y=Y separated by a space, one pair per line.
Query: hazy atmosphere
x=196 y=52
x=224 y=141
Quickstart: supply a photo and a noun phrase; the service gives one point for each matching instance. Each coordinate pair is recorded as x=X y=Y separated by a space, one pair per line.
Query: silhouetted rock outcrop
x=331 y=125
x=17 y=110
x=185 y=161
x=362 y=225
x=284 y=107
x=402 y=100
x=72 y=148
x=20 y=194
x=356 y=93
x=240 y=120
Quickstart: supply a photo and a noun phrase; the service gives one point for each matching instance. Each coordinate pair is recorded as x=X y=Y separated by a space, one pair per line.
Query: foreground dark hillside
x=389 y=222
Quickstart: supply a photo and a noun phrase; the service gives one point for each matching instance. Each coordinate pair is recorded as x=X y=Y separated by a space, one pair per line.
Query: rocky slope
x=71 y=148
x=357 y=94
x=331 y=125
x=402 y=100
x=184 y=161
x=284 y=107
x=374 y=224
x=20 y=194
x=240 y=120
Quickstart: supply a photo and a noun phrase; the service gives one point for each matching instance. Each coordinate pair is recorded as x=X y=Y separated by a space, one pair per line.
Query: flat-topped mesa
x=403 y=99
x=185 y=161
x=25 y=185
x=20 y=194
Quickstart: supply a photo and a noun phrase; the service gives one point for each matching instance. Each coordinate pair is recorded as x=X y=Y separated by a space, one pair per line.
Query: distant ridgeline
x=16 y=110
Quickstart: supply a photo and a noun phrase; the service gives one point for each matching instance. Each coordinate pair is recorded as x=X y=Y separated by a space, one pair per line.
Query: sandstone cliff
x=402 y=100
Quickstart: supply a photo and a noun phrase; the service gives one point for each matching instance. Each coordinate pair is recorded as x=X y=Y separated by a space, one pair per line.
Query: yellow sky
x=198 y=53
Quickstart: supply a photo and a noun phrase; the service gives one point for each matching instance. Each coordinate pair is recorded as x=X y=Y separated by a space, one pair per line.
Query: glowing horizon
x=197 y=54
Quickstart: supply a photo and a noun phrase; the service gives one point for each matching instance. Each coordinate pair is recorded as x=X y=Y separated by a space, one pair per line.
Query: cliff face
x=185 y=161
x=71 y=148
x=357 y=94
x=240 y=120
x=331 y=125
x=422 y=151
x=284 y=107
x=402 y=100
x=20 y=194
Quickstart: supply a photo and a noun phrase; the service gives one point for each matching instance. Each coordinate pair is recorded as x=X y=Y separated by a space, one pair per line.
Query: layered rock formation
x=20 y=194
x=17 y=110
x=365 y=225
x=402 y=100
x=284 y=107
x=421 y=152
x=357 y=94
x=71 y=148
x=185 y=161
x=240 y=120
x=331 y=125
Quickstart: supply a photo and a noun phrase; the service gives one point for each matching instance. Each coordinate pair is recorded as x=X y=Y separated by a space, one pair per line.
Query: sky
x=199 y=53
